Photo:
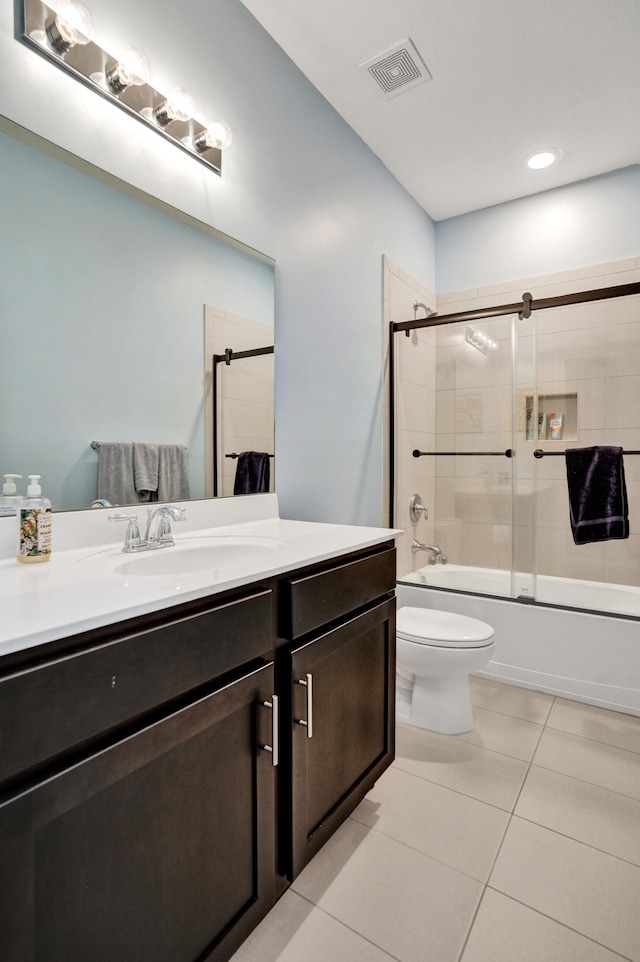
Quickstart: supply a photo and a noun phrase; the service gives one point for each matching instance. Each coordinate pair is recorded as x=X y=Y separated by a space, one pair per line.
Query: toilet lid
x=428 y=626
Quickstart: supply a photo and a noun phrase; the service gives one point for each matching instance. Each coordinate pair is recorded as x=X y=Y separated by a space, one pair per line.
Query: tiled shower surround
x=245 y=394
x=452 y=397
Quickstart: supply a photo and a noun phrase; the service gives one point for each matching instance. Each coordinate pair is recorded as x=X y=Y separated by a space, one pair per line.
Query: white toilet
x=436 y=651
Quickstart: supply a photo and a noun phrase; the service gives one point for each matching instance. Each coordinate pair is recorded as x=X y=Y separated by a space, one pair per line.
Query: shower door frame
x=523 y=308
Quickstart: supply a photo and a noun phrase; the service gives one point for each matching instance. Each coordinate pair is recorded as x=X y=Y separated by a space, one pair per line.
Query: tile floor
x=516 y=842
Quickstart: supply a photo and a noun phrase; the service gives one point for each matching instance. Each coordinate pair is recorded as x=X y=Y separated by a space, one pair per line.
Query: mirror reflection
x=240 y=382
x=104 y=330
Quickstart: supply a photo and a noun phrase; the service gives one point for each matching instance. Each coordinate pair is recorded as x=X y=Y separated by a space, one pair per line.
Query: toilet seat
x=442 y=629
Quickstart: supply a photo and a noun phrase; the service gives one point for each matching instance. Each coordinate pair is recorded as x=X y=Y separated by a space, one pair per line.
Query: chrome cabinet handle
x=274 y=747
x=307 y=682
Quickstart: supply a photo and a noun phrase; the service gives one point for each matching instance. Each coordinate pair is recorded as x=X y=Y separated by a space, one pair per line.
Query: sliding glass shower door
x=485 y=410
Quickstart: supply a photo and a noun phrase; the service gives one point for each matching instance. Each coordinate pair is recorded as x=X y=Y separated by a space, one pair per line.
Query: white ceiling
x=509 y=77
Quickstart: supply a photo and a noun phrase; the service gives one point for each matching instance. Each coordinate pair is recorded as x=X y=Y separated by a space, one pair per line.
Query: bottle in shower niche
x=34 y=524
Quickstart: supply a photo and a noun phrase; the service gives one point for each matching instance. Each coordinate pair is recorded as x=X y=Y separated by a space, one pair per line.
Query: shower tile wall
x=415 y=410
x=473 y=414
x=245 y=394
x=590 y=350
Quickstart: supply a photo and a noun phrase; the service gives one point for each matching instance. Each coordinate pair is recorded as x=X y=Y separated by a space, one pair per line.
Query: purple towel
x=597 y=494
x=252 y=473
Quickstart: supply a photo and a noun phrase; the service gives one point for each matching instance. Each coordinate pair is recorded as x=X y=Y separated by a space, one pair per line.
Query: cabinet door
x=348 y=695
x=158 y=849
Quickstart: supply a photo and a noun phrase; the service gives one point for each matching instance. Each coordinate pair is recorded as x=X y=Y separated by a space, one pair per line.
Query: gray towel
x=115 y=472
x=173 y=473
x=145 y=469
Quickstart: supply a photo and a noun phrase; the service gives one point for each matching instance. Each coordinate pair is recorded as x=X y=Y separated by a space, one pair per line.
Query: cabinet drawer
x=48 y=709
x=317 y=599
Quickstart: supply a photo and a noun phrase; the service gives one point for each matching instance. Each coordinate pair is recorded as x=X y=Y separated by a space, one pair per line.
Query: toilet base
x=441 y=705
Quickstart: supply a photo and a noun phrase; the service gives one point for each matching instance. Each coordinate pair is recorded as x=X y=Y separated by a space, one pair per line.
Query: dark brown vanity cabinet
x=149 y=833
x=341 y=675
x=343 y=725
x=159 y=848
x=142 y=813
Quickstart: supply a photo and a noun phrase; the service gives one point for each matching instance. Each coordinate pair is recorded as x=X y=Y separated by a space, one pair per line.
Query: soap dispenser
x=34 y=524
x=9 y=498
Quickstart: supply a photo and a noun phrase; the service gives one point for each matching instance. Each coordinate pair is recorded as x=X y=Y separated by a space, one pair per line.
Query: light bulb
x=73 y=24
x=179 y=105
x=543 y=158
x=217 y=134
x=131 y=70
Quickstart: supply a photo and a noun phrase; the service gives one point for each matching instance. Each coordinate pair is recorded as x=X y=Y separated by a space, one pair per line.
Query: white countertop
x=79 y=588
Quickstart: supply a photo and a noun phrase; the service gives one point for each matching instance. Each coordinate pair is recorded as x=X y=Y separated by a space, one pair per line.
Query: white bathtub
x=591 y=657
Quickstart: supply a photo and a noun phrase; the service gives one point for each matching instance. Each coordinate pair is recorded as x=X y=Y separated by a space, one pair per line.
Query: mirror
x=103 y=320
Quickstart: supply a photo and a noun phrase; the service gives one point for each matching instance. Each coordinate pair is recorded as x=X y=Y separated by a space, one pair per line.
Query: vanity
x=178 y=741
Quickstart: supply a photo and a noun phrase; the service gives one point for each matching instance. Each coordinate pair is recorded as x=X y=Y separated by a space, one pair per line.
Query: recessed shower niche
x=551 y=417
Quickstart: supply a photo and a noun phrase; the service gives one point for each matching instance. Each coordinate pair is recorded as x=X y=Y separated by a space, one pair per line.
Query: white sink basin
x=187 y=556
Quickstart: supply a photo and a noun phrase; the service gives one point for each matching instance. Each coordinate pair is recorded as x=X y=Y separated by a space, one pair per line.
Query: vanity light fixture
x=482 y=342
x=541 y=159
x=130 y=70
x=71 y=25
x=217 y=134
x=179 y=105
x=65 y=37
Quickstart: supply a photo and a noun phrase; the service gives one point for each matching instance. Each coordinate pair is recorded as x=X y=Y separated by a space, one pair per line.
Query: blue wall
x=589 y=222
x=102 y=322
x=297 y=183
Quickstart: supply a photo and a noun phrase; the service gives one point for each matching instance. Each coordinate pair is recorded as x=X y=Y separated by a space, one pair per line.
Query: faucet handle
x=132 y=537
x=416 y=508
x=159 y=519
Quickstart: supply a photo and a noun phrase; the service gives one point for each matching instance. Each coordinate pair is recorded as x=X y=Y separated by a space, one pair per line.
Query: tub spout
x=437 y=556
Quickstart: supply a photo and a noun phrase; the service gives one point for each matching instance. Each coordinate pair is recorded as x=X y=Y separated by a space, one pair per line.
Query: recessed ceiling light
x=543 y=158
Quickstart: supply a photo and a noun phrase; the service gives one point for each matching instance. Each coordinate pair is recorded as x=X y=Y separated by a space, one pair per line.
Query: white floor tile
x=402 y=878
x=391 y=894
x=533 y=706
x=506 y=931
x=469 y=769
x=505 y=734
x=586 y=812
x=603 y=765
x=610 y=727
x=459 y=831
x=587 y=890
x=296 y=931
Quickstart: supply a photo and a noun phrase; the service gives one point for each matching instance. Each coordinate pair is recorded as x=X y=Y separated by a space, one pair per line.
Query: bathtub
x=590 y=656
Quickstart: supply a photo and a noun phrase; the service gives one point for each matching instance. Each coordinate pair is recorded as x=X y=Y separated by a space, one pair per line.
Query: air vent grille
x=398 y=69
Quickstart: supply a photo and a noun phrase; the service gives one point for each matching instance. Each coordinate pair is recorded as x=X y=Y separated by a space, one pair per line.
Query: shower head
x=427 y=310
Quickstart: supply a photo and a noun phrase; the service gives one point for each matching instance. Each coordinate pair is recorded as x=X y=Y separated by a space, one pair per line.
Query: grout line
x=419 y=851
x=473 y=922
x=564 y=925
x=585 y=781
x=459 y=791
x=499 y=849
x=349 y=928
x=578 y=841
x=598 y=741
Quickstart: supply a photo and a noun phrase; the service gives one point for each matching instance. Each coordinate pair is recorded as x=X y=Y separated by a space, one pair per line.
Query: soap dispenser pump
x=9 y=498
x=34 y=524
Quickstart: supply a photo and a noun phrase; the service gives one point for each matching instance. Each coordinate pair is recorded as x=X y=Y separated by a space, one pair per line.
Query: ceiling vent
x=398 y=69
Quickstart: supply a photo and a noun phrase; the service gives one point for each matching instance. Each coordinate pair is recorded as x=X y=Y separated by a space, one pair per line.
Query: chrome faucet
x=438 y=557
x=158 y=533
